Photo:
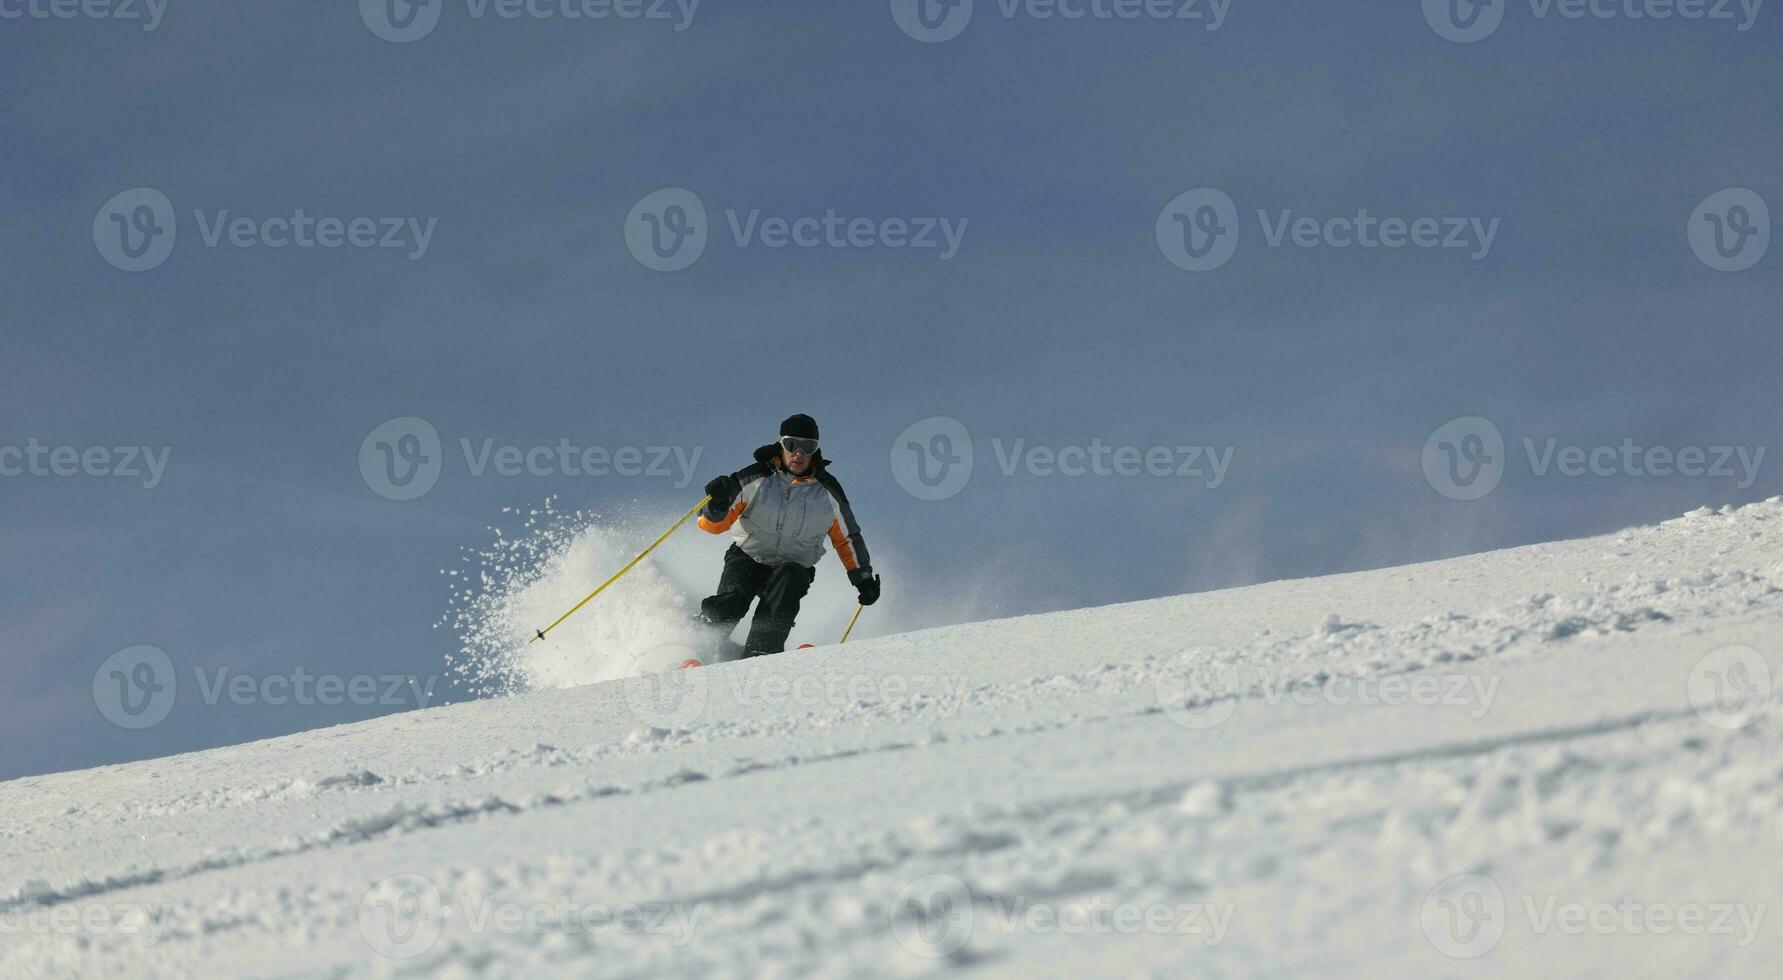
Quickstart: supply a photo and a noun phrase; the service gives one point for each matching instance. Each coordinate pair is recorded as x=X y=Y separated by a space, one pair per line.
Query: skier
x=782 y=505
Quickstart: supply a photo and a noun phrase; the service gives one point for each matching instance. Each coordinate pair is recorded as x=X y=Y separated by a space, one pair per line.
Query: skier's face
x=796 y=463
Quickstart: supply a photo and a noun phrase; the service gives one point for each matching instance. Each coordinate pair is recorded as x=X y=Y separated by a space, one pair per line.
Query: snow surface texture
x=1558 y=760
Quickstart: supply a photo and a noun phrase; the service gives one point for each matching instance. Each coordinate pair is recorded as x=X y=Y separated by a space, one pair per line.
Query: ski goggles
x=803 y=447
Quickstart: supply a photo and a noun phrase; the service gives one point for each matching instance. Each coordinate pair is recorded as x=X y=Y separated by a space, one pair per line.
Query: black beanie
x=800 y=426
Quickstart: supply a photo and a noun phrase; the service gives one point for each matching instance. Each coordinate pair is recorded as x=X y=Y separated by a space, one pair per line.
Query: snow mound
x=1429 y=770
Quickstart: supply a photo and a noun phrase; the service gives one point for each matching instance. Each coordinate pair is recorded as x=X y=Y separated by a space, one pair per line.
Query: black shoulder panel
x=851 y=526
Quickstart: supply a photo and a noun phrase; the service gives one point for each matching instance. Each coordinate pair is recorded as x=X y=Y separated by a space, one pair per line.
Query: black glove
x=723 y=489
x=867 y=583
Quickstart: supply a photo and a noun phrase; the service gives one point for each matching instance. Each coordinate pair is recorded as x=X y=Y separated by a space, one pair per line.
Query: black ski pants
x=779 y=587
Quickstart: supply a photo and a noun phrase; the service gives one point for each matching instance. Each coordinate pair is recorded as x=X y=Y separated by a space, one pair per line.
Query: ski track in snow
x=1203 y=752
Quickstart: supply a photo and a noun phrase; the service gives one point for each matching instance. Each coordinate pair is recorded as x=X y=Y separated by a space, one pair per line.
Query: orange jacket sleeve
x=844 y=547
x=719 y=527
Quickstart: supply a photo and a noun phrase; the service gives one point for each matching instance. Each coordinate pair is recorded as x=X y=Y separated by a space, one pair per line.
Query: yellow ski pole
x=850 y=629
x=540 y=634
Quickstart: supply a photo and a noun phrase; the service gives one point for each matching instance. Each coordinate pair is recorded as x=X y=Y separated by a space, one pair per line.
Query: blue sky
x=1587 y=144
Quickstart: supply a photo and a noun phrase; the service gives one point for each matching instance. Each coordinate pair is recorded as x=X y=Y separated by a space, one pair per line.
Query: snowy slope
x=1559 y=760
